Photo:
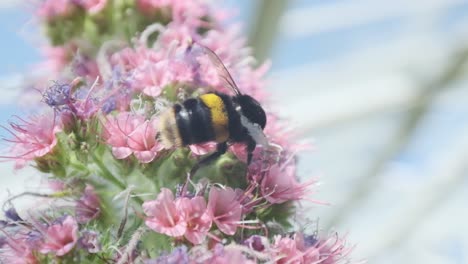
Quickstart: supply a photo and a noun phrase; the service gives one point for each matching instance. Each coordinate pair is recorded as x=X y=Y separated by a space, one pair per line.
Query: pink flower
x=150 y=6
x=60 y=237
x=302 y=250
x=163 y=215
x=202 y=149
x=251 y=81
x=227 y=44
x=231 y=49
x=51 y=9
x=239 y=149
x=153 y=78
x=56 y=58
x=189 y=12
x=85 y=67
x=227 y=255
x=150 y=71
x=232 y=52
x=85 y=105
x=130 y=58
x=88 y=206
x=55 y=185
x=286 y=251
x=89 y=241
x=181 y=33
x=257 y=243
x=279 y=133
x=32 y=139
x=180 y=217
x=197 y=218
x=225 y=209
x=15 y=250
x=280 y=184
x=209 y=75
x=178 y=255
x=132 y=134
x=93 y=6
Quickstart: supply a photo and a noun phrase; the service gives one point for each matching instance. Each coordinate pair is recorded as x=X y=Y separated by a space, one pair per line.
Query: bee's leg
x=251 y=144
x=221 y=148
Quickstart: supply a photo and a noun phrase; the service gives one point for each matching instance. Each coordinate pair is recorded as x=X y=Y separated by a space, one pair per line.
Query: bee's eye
x=252 y=110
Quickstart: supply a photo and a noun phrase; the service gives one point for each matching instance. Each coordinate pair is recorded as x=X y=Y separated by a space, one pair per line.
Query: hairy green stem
x=132 y=245
x=79 y=166
x=106 y=173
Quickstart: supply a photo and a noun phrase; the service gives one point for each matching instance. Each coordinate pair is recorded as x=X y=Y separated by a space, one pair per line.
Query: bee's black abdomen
x=200 y=122
x=183 y=123
x=193 y=122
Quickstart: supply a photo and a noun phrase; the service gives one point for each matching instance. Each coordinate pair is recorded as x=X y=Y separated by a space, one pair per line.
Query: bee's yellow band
x=219 y=117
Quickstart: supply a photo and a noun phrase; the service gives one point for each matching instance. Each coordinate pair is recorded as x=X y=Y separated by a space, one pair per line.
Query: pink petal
x=174 y=231
x=121 y=152
x=163 y=216
x=145 y=156
x=225 y=209
x=197 y=235
x=202 y=149
x=196 y=216
x=228 y=228
x=153 y=90
x=61 y=237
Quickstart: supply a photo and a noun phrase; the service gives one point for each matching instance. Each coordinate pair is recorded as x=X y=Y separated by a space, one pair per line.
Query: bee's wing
x=197 y=51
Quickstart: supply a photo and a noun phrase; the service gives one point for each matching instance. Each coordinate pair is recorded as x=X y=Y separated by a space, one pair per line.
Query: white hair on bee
x=271 y=152
x=161 y=104
x=255 y=131
x=182 y=94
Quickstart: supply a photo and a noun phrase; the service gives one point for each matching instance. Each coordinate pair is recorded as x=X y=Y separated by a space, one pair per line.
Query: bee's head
x=252 y=110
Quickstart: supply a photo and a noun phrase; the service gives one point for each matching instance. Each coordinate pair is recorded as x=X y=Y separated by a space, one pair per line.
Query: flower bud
x=89 y=241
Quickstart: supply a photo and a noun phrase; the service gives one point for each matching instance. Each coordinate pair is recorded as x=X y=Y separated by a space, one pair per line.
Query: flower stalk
x=105 y=173
x=108 y=140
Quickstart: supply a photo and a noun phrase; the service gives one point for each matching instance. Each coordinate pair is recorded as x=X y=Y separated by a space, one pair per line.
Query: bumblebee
x=214 y=116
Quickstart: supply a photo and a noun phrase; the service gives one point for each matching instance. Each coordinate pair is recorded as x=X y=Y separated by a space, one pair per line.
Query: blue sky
x=17 y=53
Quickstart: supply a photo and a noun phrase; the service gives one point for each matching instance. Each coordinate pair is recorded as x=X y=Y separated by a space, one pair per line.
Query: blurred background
x=380 y=87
